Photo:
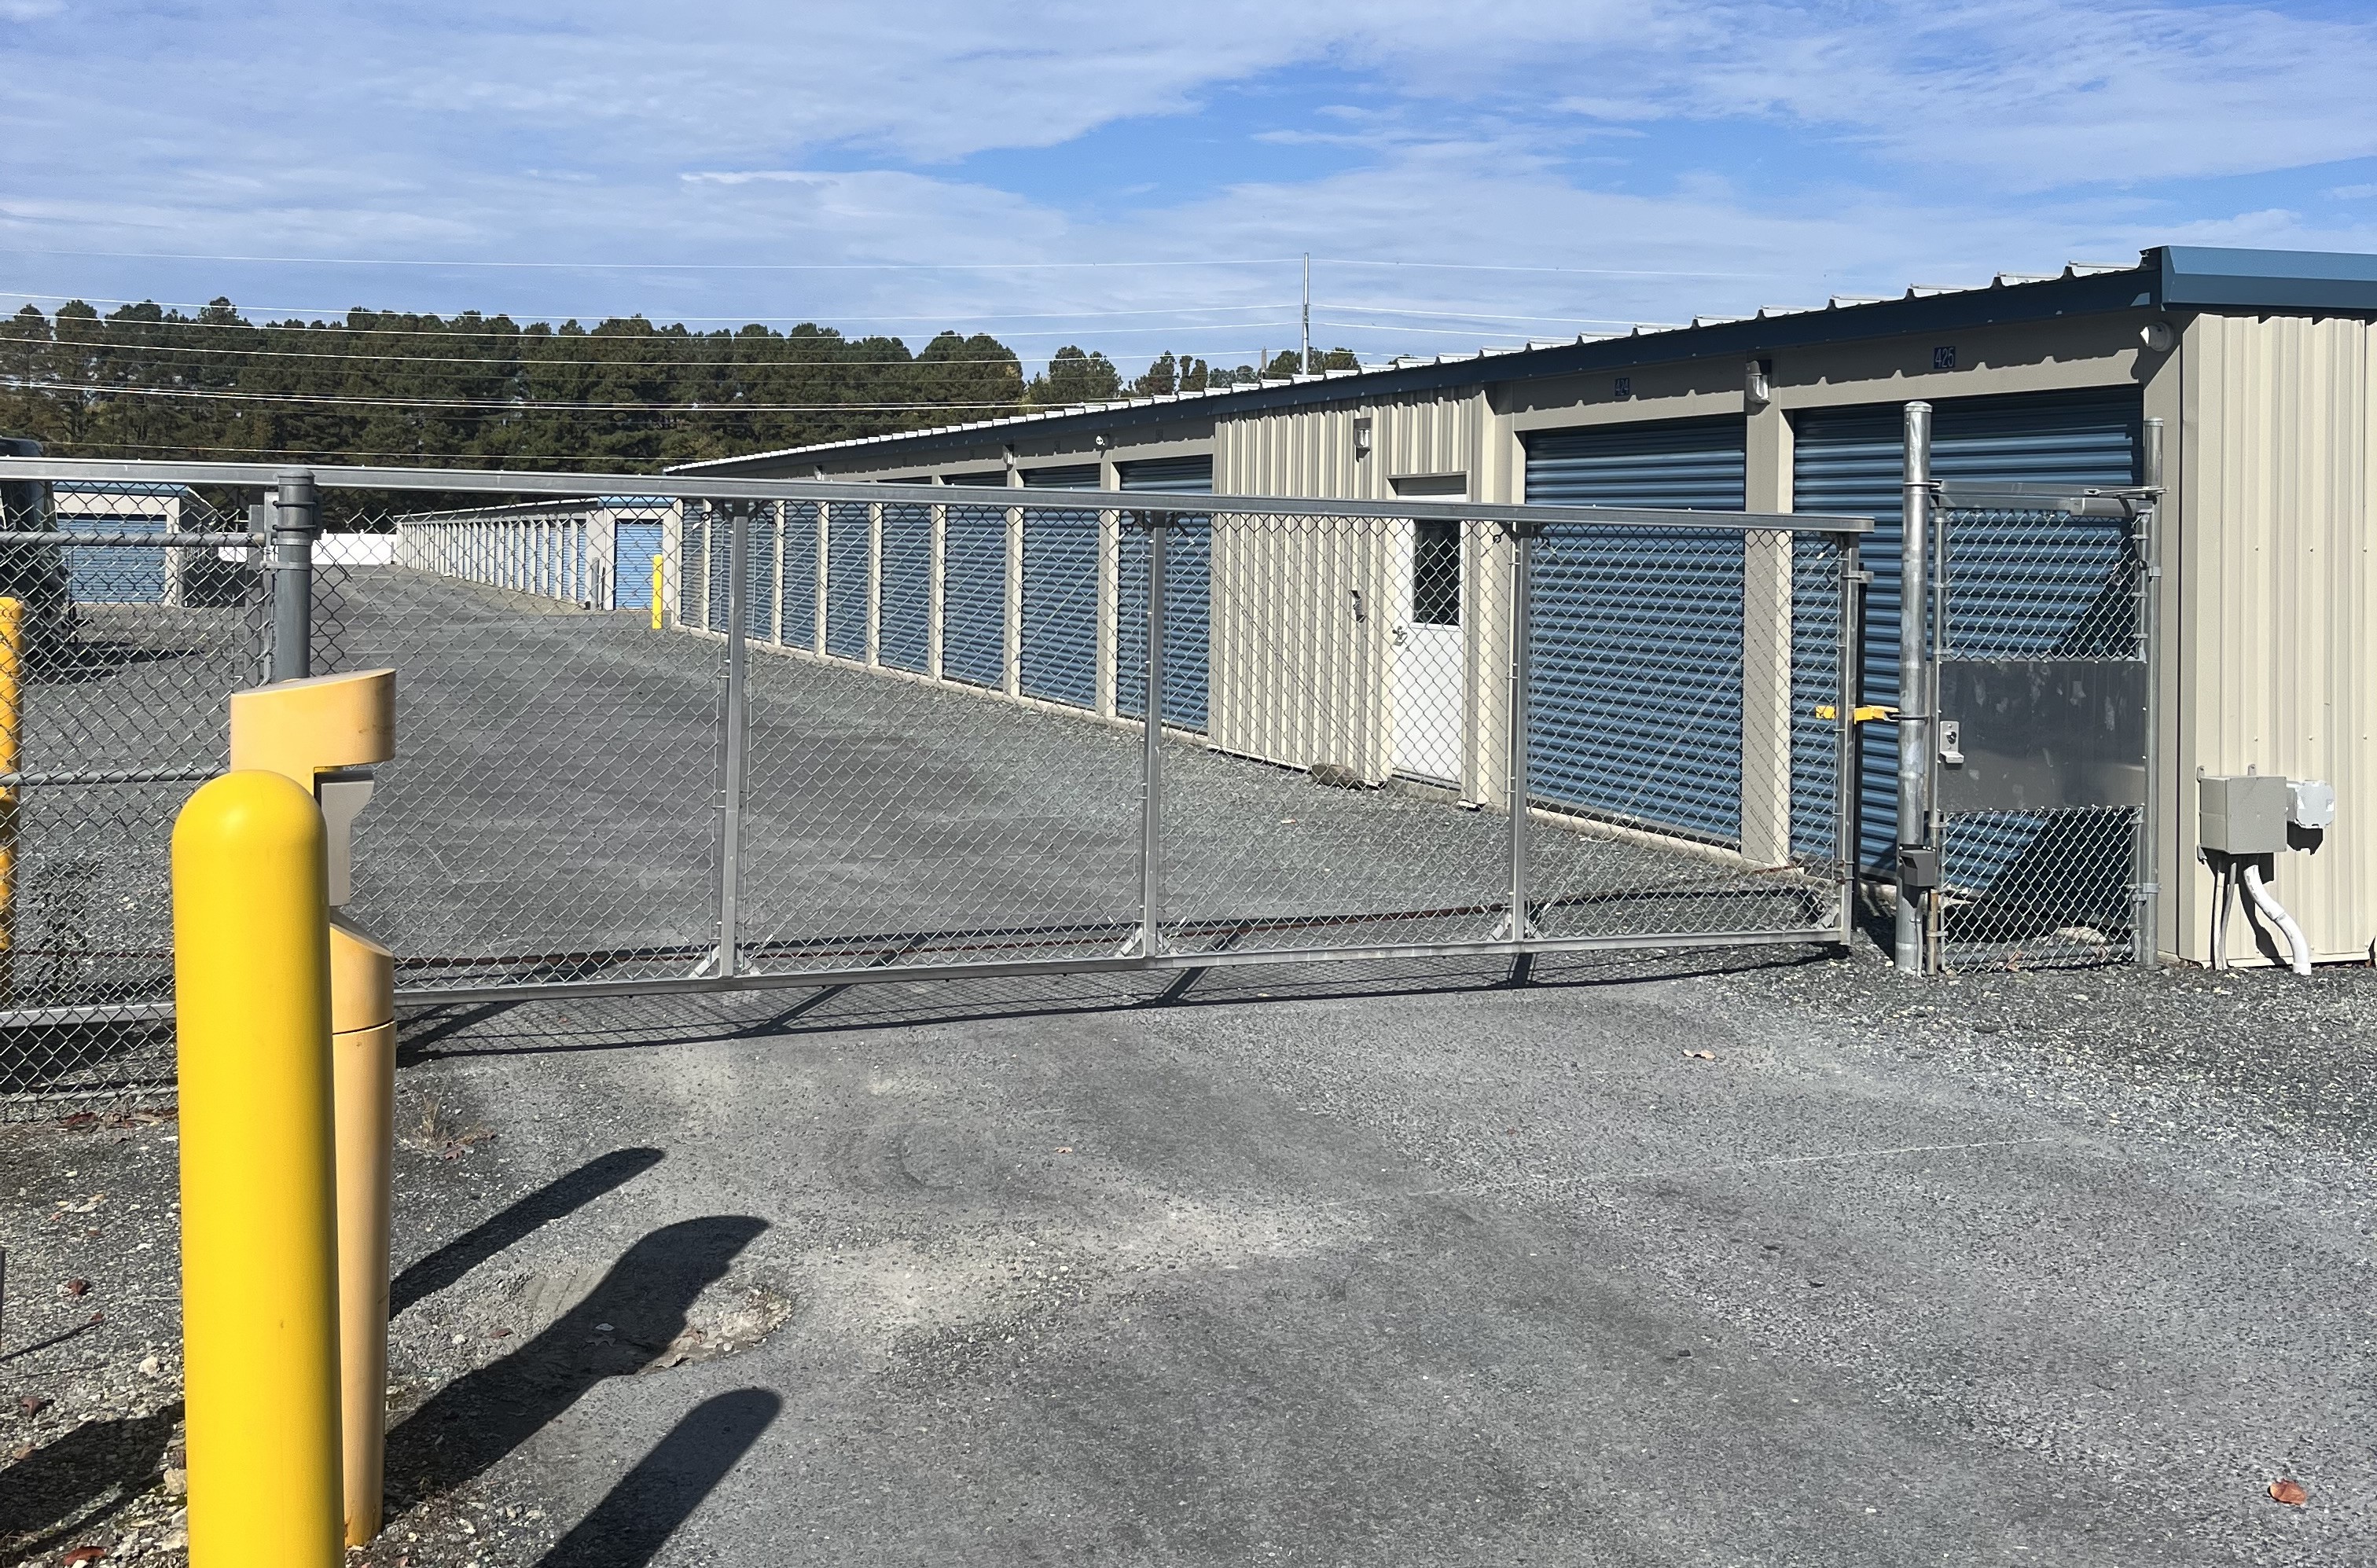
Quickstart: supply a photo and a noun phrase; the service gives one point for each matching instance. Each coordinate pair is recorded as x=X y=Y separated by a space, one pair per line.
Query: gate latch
x=1952 y=743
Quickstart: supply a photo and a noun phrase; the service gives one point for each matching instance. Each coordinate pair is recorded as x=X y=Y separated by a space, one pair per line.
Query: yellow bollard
x=311 y=731
x=659 y=562
x=12 y=729
x=259 y=1295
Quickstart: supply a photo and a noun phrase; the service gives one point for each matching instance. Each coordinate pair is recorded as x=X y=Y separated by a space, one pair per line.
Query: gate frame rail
x=1141 y=947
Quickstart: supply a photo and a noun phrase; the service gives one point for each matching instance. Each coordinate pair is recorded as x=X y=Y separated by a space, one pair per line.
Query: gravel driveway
x=1321 y=1266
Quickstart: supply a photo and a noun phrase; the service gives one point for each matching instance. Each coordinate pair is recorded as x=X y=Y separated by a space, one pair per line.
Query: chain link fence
x=812 y=734
x=143 y=606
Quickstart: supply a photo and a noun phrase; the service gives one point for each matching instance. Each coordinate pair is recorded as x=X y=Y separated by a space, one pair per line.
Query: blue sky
x=902 y=167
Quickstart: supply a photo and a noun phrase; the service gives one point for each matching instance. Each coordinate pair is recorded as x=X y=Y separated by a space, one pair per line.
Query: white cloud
x=1770 y=152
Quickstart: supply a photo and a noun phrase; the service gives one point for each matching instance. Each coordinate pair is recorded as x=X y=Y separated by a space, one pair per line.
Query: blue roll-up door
x=903 y=642
x=1849 y=461
x=974 y=588
x=845 y=581
x=759 y=561
x=633 y=547
x=1060 y=593
x=720 y=578
x=798 y=609
x=693 y=567
x=1188 y=597
x=1634 y=685
x=114 y=574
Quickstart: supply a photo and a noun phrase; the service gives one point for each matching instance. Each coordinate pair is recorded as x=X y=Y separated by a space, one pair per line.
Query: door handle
x=1402 y=634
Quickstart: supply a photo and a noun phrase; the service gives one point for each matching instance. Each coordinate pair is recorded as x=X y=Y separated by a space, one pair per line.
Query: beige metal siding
x=1303 y=611
x=2277 y=473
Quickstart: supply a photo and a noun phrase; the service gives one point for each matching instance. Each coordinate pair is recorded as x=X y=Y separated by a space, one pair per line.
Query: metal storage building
x=2257 y=369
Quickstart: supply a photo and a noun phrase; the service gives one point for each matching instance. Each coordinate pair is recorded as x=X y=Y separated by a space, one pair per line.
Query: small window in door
x=1435 y=573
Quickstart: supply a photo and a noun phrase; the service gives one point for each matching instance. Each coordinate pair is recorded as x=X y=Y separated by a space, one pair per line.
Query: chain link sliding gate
x=2026 y=825
x=870 y=731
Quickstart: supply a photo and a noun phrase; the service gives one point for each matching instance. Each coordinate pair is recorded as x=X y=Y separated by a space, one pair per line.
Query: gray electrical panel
x=2244 y=814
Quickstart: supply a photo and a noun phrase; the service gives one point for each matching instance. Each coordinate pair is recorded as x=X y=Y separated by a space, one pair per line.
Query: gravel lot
x=1321 y=1266
x=1689 y=1259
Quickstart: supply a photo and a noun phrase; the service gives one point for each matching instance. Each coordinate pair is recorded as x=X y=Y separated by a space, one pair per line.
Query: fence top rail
x=578 y=486
x=183 y=541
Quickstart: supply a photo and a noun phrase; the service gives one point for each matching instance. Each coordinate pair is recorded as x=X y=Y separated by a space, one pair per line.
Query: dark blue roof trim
x=2281 y=280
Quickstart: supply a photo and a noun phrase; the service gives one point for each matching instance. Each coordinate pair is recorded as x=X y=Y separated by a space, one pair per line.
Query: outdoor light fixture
x=2158 y=337
x=1102 y=440
x=1755 y=388
x=1361 y=435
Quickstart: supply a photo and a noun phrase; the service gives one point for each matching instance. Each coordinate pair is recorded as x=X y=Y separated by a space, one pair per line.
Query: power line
x=506 y=406
x=487 y=362
x=1481 y=315
x=654 y=266
x=324 y=311
x=547 y=335
x=73 y=448
x=1502 y=266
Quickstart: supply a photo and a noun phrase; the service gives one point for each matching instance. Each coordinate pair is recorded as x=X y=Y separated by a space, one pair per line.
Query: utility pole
x=1304 y=360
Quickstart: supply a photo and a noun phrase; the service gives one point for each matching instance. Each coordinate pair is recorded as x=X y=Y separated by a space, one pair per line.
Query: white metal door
x=1428 y=643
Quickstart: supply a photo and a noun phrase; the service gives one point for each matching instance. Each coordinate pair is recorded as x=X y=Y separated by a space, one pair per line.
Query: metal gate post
x=1150 y=814
x=1520 y=922
x=2146 y=881
x=295 y=529
x=1911 y=944
x=735 y=721
x=1848 y=686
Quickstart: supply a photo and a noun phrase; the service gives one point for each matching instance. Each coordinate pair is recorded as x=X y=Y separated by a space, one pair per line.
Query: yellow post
x=659 y=563
x=362 y=1055
x=12 y=656
x=260 y=1295
x=311 y=731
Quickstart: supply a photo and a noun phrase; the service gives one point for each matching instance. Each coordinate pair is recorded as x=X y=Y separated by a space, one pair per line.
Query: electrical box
x=2314 y=804
x=2243 y=814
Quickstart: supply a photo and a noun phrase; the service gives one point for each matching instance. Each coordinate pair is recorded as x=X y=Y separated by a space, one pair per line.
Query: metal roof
x=2185 y=276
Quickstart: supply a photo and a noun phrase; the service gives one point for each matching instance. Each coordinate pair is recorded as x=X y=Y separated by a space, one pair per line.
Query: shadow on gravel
x=56 y=1485
x=536 y=1028
x=616 y=1331
x=631 y=1524
x=564 y=1195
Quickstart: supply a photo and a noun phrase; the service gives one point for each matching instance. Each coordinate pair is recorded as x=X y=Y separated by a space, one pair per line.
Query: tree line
x=475 y=390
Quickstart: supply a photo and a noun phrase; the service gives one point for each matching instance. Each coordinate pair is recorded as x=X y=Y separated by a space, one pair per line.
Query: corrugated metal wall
x=1634 y=687
x=1300 y=660
x=1060 y=593
x=905 y=640
x=1188 y=598
x=2276 y=594
x=1310 y=452
x=848 y=551
x=1850 y=461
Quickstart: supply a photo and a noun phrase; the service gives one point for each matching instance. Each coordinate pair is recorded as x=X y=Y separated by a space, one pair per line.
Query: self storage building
x=2234 y=392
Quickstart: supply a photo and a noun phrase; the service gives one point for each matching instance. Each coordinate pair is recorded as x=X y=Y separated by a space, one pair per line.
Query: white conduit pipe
x=2275 y=914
